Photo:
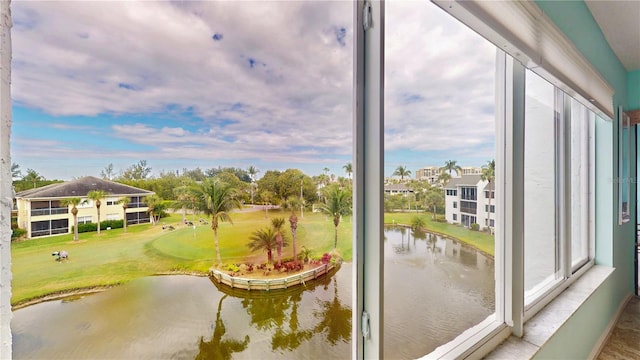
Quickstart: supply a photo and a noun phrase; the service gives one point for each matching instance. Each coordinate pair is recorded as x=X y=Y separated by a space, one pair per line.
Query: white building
x=470 y=200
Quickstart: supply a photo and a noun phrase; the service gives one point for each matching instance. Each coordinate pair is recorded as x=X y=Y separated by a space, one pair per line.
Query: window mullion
x=369 y=179
x=565 y=214
x=514 y=195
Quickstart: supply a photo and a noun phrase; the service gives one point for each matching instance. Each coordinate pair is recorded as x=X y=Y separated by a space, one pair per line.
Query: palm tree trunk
x=215 y=241
x=75 y=227
x=335 y=242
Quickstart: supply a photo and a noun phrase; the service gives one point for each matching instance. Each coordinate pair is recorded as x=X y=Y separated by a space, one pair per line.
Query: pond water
x=434 y=288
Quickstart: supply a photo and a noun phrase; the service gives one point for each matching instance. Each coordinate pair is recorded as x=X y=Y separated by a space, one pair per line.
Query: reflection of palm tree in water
x=335 y=319
x=217 y=348
x=289 y=340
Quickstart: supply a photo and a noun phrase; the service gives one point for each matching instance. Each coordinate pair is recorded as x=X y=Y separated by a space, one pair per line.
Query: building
x=586 y=49
x=470 y=170
x=468 y=201
x=429 y=173
x=41 y=213
x=395 y=189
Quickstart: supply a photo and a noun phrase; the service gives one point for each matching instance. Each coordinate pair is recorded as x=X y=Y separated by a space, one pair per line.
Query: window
x=426 y=82
x=84 y=219
x=493 y=208
x=468 y=193
x=486 y=194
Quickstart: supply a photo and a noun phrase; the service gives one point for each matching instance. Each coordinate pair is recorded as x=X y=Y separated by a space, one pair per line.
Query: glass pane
x=439 y=206
x=540 y=240
x=581 y=117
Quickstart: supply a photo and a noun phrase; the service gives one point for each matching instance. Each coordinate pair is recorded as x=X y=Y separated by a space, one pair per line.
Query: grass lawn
x=480 y=240
x=115 y=257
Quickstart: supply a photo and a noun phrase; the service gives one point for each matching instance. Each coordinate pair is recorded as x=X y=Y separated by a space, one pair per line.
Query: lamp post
x=301 y=201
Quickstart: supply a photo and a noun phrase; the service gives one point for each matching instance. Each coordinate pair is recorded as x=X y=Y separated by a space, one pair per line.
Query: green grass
x=115 y=257
x=480 y=240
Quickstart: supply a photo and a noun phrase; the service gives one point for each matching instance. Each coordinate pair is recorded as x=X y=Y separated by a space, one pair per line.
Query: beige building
x=41 y=213
x=429 y=173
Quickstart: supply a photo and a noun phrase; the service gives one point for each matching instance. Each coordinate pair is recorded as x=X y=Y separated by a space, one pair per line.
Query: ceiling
x=620 y=23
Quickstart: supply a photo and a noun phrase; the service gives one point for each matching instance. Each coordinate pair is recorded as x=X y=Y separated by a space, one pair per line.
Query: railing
x=49 y=211
x=46 y=232
x=136 y=205
x=270 y=284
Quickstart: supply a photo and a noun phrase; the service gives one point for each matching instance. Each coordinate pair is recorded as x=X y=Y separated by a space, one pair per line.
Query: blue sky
x=235 y=83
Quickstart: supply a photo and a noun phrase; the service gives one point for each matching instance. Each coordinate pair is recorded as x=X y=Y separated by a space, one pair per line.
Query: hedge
x=88 y=227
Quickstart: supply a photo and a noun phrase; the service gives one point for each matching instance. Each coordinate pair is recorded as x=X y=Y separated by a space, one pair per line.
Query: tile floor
x=624 y=342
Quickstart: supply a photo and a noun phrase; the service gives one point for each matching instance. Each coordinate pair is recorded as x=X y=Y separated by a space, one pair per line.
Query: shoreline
x=446 y=236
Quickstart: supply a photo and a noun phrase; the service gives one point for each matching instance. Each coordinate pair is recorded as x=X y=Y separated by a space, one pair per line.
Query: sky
x=267 y=84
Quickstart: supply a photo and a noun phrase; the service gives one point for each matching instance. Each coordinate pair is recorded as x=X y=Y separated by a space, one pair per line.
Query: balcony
x=49 y=211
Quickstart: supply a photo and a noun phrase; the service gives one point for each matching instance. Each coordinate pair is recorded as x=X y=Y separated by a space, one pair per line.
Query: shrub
x=18 y=233
x=88 y=227
x=233 y=268
x=326 y=258
x=475 y=227
x=441 y=218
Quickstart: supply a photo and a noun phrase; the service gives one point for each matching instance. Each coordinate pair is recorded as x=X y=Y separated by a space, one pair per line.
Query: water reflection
x=217 y=348
x=184 y=317
x=435 y=288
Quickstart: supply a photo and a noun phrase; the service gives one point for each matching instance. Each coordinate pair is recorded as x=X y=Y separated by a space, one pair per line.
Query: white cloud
x=294 y=104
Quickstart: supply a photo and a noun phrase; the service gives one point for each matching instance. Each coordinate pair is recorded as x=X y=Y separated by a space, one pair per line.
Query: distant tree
x=489 y=175
x=265 y=240
x=434 y=200
x=402 y=171
x=195 y=174
x=107 y=173
x=16 y=173
x=252 y=174
x=348 y=168
x=293 y=222
x=337 y=203
x=124 y=201
x=326 y=171
x=73 y=202
x=96 y=196
x=451 y=166
x=216 y=199
x=154 y=206
x=33 y=177
x=137 y=171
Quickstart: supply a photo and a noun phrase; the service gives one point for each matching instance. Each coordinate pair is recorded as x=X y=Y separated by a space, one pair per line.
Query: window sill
x=541 y=327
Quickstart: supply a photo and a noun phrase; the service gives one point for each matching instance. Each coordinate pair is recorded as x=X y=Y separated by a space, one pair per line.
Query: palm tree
x=15 y=171
x=75 y=201
x=154 y=206
x=184 y=200
x=293 y=221
x=252 y=174
x=277 y=224
x=489 y=174
x=32 y=176
x=450 y=166
x=265 y=240
x=216 y=199
x=348 y=168
x=444 y=177
x=124 y=201
x=336 y=204
x=402 y=172
x=97 y=195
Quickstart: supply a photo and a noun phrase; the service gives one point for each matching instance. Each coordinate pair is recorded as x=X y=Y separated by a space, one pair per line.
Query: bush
x=88 y=227
x=326 y=258
x=441 y=218
x=18 y=233
x=475 y=227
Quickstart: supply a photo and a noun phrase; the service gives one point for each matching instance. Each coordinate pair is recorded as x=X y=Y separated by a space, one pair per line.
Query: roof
x=464 y=180
x=80 y=188
x=397 y=187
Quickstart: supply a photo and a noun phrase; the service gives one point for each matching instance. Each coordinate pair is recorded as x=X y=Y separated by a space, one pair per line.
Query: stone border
x=270 y=284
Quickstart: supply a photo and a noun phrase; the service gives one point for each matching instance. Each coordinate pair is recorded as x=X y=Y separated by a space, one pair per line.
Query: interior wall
x=613 y=242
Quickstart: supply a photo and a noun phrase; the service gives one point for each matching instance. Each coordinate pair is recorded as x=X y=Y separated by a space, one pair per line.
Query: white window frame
x=368 y=263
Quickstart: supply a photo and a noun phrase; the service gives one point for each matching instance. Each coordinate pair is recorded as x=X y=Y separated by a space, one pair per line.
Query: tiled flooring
x=624 y=342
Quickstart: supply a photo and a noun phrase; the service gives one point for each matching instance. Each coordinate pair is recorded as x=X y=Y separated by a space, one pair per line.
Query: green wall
x=614 y=243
